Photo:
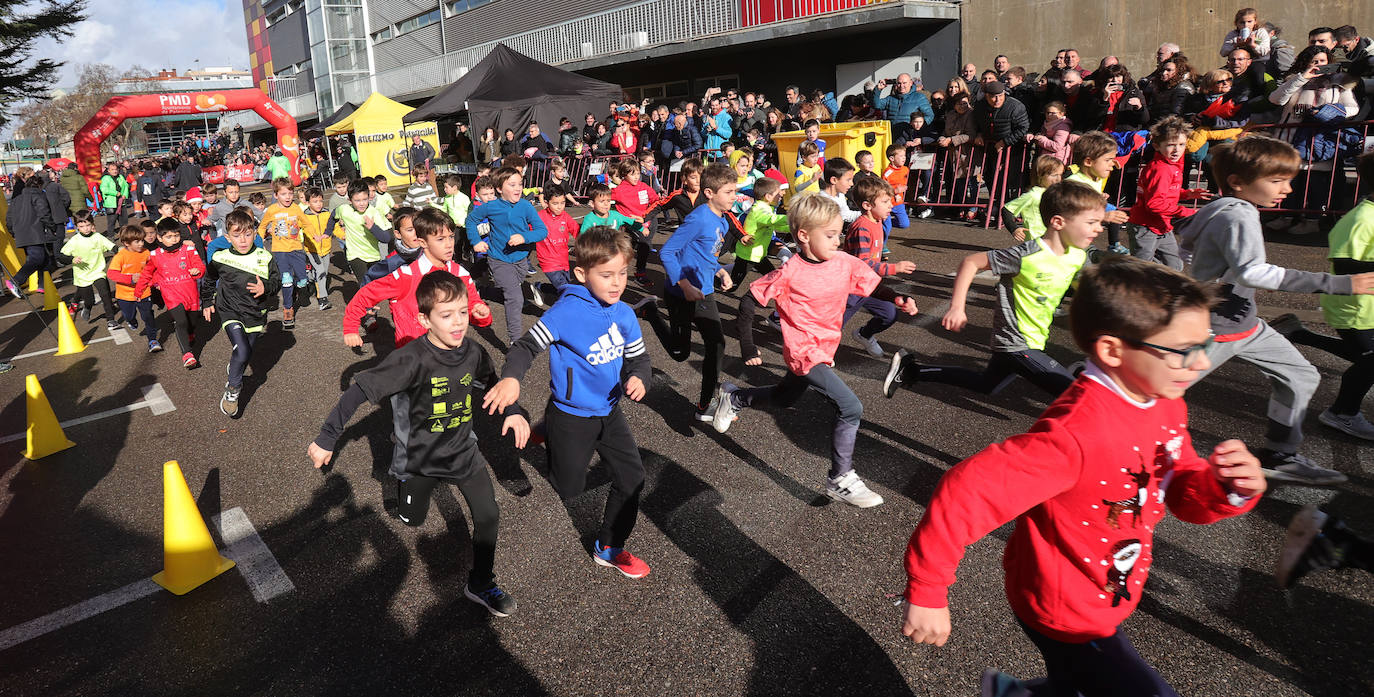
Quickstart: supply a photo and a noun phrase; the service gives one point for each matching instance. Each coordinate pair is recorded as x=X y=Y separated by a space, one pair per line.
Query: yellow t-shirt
x=1352 y=238
x=284 y=223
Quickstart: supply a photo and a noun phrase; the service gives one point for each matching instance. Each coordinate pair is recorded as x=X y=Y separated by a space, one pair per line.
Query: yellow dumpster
x=844 y=140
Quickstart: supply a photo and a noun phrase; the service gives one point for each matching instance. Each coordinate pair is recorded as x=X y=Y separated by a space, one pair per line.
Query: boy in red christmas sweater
x=1159 y=193
x=632 y=199
x=1087 y=485
x=434 y=232
x=176 y=268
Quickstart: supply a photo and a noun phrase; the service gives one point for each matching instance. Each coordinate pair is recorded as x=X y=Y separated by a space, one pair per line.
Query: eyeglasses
x=1184 y=358
x=1224 y=82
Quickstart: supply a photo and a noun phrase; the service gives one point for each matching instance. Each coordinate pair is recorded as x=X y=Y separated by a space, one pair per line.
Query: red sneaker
x=620 y=560
x=189 y=360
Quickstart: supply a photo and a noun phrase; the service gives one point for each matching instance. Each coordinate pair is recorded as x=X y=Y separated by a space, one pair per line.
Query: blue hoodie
x=588 y=342
x=507 y=220
x=692 y=251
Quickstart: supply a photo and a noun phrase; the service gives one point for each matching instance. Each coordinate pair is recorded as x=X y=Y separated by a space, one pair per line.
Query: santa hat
x=193 y=195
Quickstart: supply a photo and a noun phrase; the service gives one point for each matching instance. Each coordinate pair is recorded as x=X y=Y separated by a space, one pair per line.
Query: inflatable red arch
x=105 y=121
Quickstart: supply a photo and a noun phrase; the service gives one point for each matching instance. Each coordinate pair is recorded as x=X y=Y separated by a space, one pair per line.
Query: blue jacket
x=507 y=220
x=898 y=108
x=715 y=139
x=589 y=342
x=692 y=251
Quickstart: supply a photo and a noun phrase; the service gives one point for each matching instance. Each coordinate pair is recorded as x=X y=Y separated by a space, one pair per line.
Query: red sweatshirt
x=1157 y=197
x=1086 y=485
x=398 y=289
x=175 y=274
x=552 y=251
x=633 y=200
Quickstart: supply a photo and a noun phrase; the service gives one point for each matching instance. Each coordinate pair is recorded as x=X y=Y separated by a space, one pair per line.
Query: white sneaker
x=852 y=490
x=536 y=297
x=870 y=344
x=1355 y=424
x=726 y=412
x=709 y=413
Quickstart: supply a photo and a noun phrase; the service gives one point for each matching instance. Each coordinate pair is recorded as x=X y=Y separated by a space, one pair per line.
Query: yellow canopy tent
x=383 y=142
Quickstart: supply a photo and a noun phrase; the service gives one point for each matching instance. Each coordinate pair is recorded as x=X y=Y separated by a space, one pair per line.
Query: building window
x=457 y=7
x=418 y=21
x=382 y=35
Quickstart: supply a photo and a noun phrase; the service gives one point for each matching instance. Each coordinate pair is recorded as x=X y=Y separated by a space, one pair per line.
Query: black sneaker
x=85 y=312
x=1286 y=324
x=495 y=600
x=288 y=324
x=1315 y=541
x=324 y=304
x=1292 y=467
x=894 y=373
x=643 y=280
x=646 y=305
x=112 y=324
x=6 y=367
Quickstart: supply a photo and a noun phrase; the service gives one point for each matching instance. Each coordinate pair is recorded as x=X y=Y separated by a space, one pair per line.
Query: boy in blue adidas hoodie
x=515 y=227
x=591 y=336
x=690 y=263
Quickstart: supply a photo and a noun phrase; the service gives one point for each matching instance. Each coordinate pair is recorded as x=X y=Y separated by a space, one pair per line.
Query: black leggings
x=241 y=338
x=676 y=336
x=642 y=244
x=183 y=323
x=1036 y=366
x=36 y=258
x=412 y=501
x=1106 y=667
x=359 y=269
x=1356 y=346
x=86 y=294
x=741 y=268
x=571 y=440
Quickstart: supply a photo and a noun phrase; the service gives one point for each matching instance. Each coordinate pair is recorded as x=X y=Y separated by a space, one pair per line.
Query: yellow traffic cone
x=68 y=339
x=9 y=254
x=33 y=283
x=50 y=297
x=45 y=435
x=189 y=556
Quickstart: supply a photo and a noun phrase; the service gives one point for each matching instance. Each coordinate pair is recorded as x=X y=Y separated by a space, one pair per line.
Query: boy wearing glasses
x=1087 y=485
x=1035 y=275
x=1228 y=248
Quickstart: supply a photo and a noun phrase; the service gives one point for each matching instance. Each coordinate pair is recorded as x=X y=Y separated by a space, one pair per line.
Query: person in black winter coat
x=30 y=221
x=568 y=136
x=1117 y=105
x=187 y=174
x=1000 y=119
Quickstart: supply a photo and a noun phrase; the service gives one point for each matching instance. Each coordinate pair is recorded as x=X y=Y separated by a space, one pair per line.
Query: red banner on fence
x=212 y=175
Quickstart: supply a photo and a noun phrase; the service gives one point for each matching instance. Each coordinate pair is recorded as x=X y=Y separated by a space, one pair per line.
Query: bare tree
x=21 y=25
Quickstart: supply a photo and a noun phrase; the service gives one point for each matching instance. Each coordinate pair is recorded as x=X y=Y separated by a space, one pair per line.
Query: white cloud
x=154 y=34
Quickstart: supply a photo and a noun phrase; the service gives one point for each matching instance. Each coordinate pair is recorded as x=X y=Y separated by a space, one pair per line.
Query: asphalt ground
x=758 y=586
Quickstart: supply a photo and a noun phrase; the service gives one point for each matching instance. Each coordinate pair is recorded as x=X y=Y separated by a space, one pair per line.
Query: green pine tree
x=22 y=24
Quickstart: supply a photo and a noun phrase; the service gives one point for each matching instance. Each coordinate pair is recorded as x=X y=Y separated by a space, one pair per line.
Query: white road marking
x=242 y=544
x=21 y=314
x=155 y=399
x=54 y=350
x=121 y=336
x=75 y=613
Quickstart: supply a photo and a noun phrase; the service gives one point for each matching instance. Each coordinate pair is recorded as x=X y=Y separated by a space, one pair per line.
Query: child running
x=176 y=268
x=865 y=243
x=593 y=340
x=633 y=199
x=812 y=290
x=87 y=251
x=761 y=224
x=439 y=376
x=552 y=251
x=1151 y=221
x=1034 y=277
x=125 y=268
x=1086 y=486
x=1021 y=215
x=282 y=225
x=242 y=279
x=1094 y=156
x=1228 y=247
x=691 y=268
x=319 y=247
x=515 y=227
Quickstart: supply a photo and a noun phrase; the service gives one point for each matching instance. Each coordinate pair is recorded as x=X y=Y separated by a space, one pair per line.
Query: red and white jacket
x=1086 y=486
x=398 y=289
x=175 y=273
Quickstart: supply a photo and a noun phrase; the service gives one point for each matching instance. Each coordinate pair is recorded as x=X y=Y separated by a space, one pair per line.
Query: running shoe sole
x=1330 y=420
x=603 y=562
x=1306 y=525
x=1281 y=476
x=894 y=368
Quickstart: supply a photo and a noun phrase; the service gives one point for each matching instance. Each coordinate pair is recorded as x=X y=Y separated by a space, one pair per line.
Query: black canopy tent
x=508 y=89
x=318 y=129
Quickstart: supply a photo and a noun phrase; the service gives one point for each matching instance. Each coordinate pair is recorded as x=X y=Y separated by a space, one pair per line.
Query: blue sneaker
x=495 y=600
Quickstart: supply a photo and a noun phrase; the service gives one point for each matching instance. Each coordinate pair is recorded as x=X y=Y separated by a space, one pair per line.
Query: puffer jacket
x=29 y=218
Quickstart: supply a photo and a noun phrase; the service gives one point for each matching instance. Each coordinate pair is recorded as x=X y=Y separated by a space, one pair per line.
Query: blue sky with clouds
x=154 y=34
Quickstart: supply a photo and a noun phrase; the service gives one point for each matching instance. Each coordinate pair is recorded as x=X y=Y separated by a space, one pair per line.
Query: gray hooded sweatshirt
x=1227 y=243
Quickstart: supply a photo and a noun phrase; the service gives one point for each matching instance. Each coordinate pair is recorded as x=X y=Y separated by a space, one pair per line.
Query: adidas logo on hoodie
x=608 y=348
